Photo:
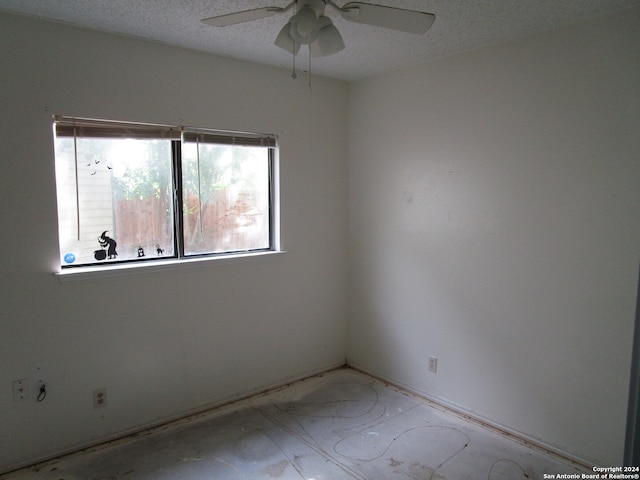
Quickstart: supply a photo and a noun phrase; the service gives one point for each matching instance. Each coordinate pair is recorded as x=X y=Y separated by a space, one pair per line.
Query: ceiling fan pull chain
x=310 y=69
x=294 y=75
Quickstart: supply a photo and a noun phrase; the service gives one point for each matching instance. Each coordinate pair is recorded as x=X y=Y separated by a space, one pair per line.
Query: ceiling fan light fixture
x=304 y=26
x=329 y=40
x=309 y=25
x=286 y=42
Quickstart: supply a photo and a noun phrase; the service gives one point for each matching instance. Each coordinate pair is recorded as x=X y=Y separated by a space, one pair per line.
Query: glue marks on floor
x=369 y=430
x=339 y=426
x=372 y=430
x=506 y=470
x=433 y=444
x=415 y=452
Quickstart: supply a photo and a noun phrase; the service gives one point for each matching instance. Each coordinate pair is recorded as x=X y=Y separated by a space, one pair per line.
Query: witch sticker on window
x=108 y=243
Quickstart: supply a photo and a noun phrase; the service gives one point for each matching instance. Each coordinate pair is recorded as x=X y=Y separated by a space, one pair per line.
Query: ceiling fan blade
x=388 y=17
x=241 y=17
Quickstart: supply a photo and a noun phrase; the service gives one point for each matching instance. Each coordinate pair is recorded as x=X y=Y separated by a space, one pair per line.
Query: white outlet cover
x=433 y=364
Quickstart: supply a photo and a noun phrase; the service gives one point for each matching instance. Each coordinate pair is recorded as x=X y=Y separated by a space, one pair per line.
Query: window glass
x=225 y=198
x=114 y=199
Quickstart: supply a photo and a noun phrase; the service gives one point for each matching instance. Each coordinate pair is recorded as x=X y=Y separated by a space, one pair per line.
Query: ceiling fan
x=310 y=26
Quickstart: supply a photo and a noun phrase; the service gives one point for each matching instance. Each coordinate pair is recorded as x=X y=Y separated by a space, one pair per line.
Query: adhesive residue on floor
x=340 y=425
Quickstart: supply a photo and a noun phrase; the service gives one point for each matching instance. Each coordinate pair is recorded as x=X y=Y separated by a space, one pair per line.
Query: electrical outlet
x=433 y=364
x=99 y=397
x=20 y=389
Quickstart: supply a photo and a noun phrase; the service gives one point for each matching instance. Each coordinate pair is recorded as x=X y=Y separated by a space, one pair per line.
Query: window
x=135 y=192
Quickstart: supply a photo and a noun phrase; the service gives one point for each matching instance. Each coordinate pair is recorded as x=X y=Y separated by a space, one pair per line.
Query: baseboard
x=125 y=435
x=515 y=435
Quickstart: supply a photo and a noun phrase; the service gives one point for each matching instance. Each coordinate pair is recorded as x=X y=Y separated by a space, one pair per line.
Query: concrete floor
x=340 y=425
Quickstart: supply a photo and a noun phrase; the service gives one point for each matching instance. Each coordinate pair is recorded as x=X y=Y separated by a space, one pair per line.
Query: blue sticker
x=69 y=258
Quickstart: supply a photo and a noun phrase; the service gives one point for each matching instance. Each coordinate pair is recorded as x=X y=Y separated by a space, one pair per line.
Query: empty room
x=319 y=240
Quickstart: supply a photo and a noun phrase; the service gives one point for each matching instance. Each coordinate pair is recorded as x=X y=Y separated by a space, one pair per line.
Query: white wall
x=493 y=211
x=494 y=204
x=167 y=343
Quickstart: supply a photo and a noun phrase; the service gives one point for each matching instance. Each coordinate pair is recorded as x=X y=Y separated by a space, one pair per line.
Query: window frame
x=178 y=135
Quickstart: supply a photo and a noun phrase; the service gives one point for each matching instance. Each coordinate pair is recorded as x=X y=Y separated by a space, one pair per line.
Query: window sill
x=125 y=270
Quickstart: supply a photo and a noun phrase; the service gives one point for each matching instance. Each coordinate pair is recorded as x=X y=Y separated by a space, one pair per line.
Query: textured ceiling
x=460 y=25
